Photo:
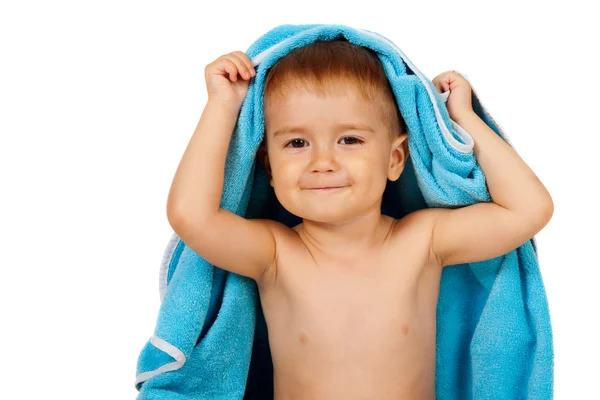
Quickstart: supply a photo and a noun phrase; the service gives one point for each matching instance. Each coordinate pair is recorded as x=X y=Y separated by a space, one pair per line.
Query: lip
x=327 y=188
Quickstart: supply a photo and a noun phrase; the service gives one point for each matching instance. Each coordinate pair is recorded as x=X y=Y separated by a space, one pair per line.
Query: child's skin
x=349 y=295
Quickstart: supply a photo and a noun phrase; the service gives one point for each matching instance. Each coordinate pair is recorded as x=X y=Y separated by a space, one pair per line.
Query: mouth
x=327 y=188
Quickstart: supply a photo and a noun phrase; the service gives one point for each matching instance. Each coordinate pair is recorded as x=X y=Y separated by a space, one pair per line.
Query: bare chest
x=371 y=320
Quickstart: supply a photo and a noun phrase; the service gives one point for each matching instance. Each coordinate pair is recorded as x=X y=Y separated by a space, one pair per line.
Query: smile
x=328 y=189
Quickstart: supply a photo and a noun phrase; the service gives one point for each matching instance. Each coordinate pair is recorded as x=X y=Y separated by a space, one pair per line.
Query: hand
x=222 y=81
x=459 y=100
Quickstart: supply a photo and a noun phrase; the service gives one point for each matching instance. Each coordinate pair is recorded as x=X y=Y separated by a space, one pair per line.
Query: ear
x=263 y=157
x=268 y=169
x=398 y=156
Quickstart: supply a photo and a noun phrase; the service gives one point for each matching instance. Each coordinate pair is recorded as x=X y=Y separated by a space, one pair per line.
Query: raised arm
x=521 y=204
x=246 y=247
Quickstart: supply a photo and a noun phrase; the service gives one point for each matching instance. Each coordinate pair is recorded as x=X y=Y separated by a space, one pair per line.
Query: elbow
x=546 y=205
x=539 y=209
x=542 y=215
x=547 y=216
x=549 y=210
x=184 y=212
x=546 y=208
x=175 y=218
x=174 y=214
x=536 y=215
x=179 y=217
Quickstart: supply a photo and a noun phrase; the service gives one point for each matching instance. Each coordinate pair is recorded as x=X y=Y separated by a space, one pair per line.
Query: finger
x=246 y=62
x=244 y=57
x=244 y=70
x=237 y=67
x=436 y=84
x=443 y=84
x=227 y=66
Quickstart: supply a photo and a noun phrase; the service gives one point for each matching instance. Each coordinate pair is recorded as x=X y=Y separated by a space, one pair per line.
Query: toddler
x=349 y=295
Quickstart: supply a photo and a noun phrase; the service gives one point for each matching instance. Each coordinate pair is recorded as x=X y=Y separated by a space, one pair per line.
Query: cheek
x=285 y=172
x=370 y=172
x=369 y=165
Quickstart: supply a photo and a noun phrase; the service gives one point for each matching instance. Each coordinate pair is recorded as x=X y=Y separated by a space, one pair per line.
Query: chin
x=324 y=216
x=323 y=211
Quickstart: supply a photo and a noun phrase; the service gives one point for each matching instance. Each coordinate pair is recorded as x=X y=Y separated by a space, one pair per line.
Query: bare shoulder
x=479 y=231
x=412 y=234
x=283 y=238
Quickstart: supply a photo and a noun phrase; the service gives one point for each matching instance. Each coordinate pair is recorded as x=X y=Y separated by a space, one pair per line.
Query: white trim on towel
x=462 y=147
x=466 y=147
x=164 y=266
x=170 y=350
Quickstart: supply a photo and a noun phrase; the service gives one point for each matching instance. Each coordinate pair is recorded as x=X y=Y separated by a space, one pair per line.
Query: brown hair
x=332 y=67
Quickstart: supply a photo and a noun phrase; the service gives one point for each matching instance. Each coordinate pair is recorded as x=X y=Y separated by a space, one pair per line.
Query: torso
x=361 y=329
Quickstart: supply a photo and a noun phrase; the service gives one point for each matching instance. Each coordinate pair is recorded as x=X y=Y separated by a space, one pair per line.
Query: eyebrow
x=339 y=127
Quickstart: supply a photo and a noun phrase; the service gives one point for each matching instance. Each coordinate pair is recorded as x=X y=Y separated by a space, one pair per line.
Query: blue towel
x=494 y=337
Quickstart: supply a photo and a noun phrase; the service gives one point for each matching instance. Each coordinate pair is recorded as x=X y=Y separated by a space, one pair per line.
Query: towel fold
x=494 y=337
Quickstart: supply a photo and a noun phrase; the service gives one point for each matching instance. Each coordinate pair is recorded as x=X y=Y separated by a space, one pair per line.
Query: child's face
x=321 y=154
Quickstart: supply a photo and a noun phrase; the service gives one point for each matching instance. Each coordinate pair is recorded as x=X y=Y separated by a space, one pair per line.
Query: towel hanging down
x=494 y=337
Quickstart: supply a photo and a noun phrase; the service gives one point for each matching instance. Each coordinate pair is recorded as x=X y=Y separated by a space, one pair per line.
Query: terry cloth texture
x=494 y=338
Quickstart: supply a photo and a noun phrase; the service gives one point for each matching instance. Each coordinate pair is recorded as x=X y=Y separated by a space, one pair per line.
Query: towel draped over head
x=494 y=337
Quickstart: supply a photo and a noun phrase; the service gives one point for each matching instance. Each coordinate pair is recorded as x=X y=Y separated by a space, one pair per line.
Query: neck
x=346 y=239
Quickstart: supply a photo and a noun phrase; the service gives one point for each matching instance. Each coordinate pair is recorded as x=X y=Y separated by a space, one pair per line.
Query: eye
x=356 y=140
x=295 y=141
x=298 y=143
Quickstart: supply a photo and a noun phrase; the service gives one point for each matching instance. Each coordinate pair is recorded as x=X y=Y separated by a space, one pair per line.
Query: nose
x=323 y=160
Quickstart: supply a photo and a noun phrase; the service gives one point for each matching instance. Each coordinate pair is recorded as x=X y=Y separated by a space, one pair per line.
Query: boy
x=349 y=295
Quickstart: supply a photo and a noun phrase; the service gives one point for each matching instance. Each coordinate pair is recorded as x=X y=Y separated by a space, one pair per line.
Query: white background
x=98 y=101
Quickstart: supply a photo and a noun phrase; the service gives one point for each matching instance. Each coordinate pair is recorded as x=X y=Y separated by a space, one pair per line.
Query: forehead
x=301 y=109
x=337 y=127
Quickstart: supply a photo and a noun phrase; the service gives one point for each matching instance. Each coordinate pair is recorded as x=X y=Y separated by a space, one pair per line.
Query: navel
x=405 y=329
x=303 y=338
